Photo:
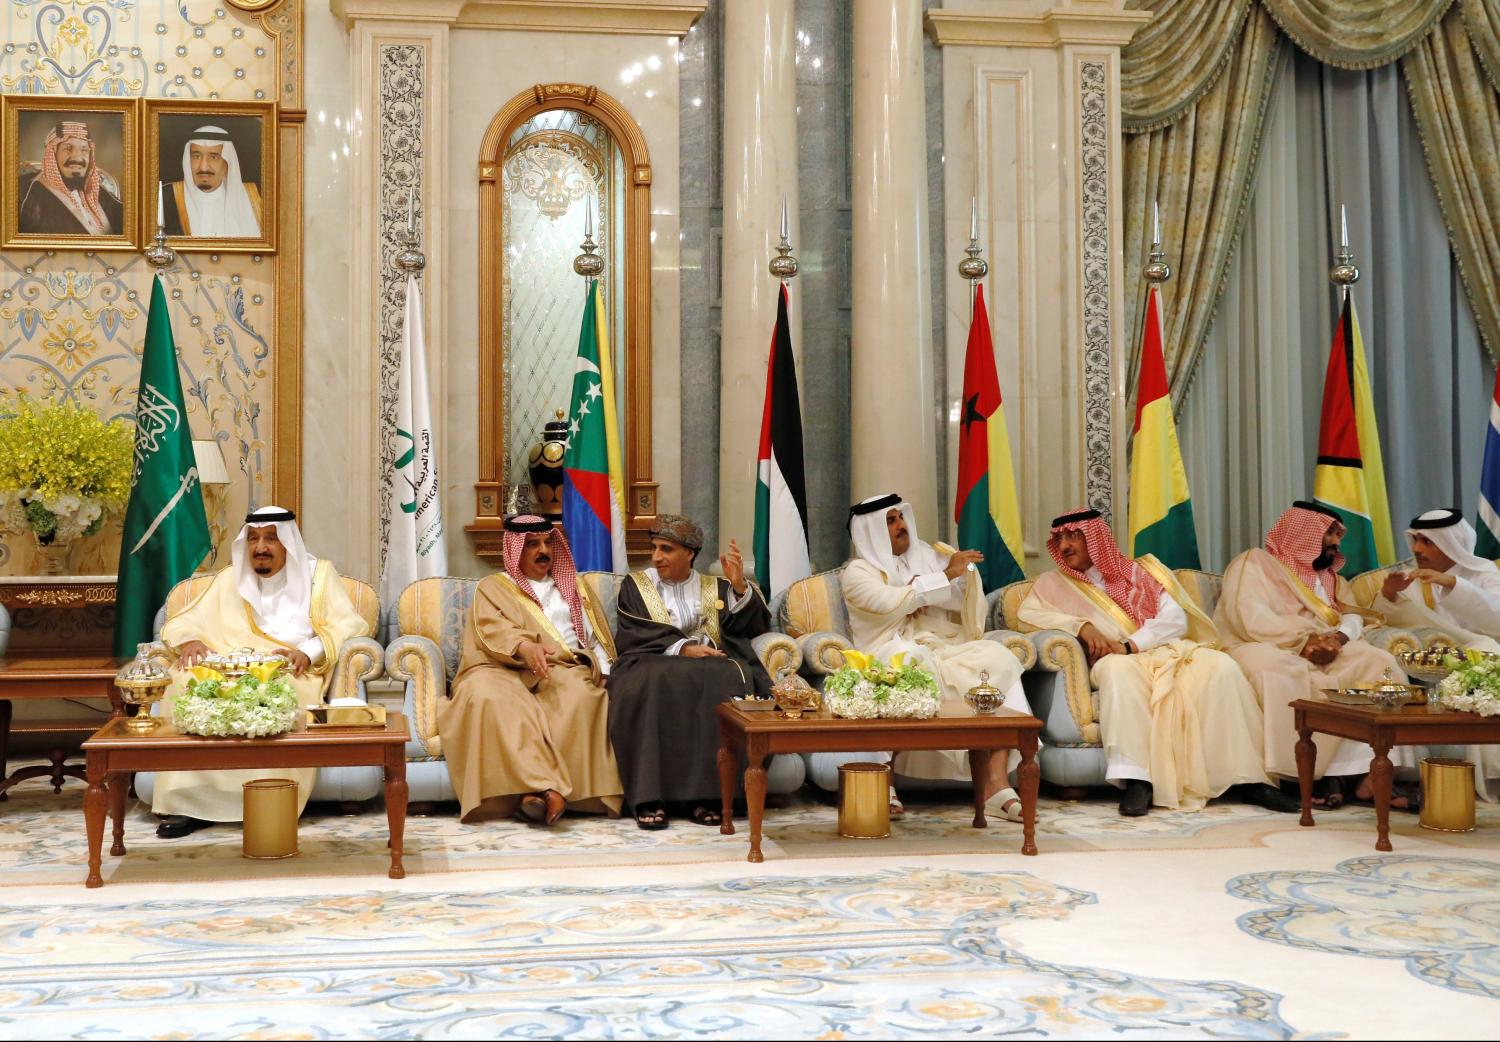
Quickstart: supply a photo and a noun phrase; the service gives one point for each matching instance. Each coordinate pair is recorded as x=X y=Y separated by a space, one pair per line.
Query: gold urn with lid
x=142 y=682
x=984 y=698
x=795 y=696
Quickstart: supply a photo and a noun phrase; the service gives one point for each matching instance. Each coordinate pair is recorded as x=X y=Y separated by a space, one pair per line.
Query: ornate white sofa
x=812 y=613
x=360 y=660
x=423 y=654
x=1061 y=693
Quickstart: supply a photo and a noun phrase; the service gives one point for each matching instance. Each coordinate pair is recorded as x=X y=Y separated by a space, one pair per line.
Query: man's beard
x=1324 y=560
x=75 y=183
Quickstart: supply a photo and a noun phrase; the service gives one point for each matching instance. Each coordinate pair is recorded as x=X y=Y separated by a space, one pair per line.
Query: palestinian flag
x=1488 y=522
x=986 y=508
x=1350 y=479
x=1161 y=507
x=781 y=556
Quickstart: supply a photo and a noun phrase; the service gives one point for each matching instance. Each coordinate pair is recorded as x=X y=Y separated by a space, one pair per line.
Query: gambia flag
x=986 y=508
x=1161 y=507
x=166 y=528
x=781 y=556
x=593 y=477
x=1488 y=522
x=1350 y=479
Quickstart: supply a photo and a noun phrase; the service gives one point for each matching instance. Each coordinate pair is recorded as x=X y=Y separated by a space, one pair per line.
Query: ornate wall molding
x=1094 y=238
x=401 y=72
x=656 y=18
x=1055 y=28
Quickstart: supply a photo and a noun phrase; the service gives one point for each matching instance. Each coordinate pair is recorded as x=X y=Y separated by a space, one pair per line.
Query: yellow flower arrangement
x=63 y=468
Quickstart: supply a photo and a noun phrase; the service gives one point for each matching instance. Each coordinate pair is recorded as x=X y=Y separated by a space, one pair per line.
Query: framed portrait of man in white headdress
x=211 y=174
x=70 y=173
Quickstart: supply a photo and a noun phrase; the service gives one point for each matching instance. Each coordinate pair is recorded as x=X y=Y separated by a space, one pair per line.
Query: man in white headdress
x=904 y=595
x=212 y=200
x=273 y=597
x=1456 y=591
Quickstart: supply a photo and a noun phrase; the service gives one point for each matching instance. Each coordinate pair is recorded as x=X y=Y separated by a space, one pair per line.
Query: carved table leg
x=1382 y=776
x=1307 y=760
x=755 y=795
x=1029 y=775
x=94 y=802
x=4 y=744
x=117 y=783
x=726 y=782
x=979 y=773
x=59 y=760
x=395 y=806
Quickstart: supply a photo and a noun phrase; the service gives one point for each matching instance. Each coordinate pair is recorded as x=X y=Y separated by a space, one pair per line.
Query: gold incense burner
x=142 y=682
x=795 y=696
x=984 y=697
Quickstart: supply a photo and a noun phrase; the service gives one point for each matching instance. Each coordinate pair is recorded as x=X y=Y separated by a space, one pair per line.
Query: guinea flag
x=1350 y=479
x=986 y=508
x=1161 y=507
x=781 y=556
x=592 y=516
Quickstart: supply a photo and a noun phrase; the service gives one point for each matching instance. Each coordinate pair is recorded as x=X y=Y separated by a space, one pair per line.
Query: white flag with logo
x=414 y=549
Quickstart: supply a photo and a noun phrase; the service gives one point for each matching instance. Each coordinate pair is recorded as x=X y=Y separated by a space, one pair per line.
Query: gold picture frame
x=250 y=129
x=50 y=216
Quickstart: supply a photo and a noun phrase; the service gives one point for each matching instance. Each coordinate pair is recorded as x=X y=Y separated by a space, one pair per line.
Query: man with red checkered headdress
x=68 y=193
x=1179 y=723
x=1287 y=618
x=525 y=728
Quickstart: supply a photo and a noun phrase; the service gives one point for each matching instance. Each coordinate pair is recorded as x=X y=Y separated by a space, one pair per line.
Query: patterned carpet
x=1230 y=923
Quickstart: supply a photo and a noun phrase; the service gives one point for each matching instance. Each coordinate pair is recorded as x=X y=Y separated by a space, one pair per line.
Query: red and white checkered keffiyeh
x=52 y=173
x=564 y=572
x=1127 y=583
x=1296 y=540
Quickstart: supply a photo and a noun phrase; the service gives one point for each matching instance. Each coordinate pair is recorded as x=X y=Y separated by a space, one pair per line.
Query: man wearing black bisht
x=684 y=646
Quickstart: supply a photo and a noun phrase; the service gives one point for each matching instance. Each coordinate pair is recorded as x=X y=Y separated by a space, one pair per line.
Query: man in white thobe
x=212 y=200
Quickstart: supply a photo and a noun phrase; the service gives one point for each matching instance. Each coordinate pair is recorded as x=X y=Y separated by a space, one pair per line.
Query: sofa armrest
x=1392 y=639
x=822 y=653
x=1436 y=636
x=778 y=653
x=1059 y=652
x=360 y=659
x=1019 y=644
x=418 y=662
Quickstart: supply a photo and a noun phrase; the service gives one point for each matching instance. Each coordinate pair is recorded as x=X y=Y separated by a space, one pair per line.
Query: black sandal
x=704 y=815
x=651 y=818
x=1329 y=793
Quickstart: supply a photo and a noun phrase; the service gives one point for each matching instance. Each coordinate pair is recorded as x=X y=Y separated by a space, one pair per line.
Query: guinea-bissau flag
x=1488 y=522
x=986 y=508
x=1161 y=507
x=593 y=478
x=781 y=556
x=1350 y=479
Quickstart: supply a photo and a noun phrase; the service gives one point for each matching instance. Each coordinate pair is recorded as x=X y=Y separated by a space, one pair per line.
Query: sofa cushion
x=1203 y=587
x=438 y=609
x=1010 y=606
x=814 y=605
x=1365 y=587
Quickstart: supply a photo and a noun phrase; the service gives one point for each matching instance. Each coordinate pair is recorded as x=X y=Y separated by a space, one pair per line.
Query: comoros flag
x=781 y=556
x=1350 y=478
x=1488 y=525
x=593 y=518
x=986 y=508
x=1161 y=507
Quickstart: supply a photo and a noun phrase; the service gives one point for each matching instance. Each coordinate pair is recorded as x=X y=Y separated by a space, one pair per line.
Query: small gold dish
x=360 y=716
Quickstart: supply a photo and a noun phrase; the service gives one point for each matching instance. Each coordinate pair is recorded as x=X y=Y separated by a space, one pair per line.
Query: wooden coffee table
x=757 y=734
x=114 y=752
x=53 y=676
x=1381 y=729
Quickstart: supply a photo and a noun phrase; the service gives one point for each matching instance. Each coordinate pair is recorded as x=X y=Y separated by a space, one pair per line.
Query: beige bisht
x=225 y=621
x=1265 y=616
x=942 y=631
x=506 y=733
x=1182 y=710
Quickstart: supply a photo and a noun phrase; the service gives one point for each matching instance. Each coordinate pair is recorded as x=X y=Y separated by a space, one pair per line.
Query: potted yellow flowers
x=63 y=471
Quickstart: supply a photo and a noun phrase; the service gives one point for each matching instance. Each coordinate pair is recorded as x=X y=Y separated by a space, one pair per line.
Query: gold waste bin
x=1447 y=795
x=864 y=800
x=270 y=818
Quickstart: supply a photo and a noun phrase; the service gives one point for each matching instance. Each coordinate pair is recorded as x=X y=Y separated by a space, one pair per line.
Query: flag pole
x=784 y=266
x=588 y=264
x=973 y=267
x=411 y=259
x=1344 y=272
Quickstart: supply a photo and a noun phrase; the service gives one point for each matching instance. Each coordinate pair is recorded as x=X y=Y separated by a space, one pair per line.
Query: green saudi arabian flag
x=166 y=528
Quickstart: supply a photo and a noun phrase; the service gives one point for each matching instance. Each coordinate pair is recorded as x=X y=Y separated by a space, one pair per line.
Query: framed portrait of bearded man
x=71 y=172
x=211 y=174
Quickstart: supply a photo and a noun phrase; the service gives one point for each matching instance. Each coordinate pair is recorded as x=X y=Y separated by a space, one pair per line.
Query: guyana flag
x=166 y=528
x=593 y=477
x=781 y=488
x=1350 y=478
x=1161 y=507
x=987 y=510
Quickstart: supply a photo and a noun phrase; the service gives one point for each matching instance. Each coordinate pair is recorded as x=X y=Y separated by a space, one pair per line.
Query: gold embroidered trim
x=1105 y=603
x=1329 y=614
x=538 y=616
x=1162 y=574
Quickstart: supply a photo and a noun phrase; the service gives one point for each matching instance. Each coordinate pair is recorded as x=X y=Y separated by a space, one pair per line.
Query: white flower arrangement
x=245 y=707
x=1473 y=686
x=866 y=689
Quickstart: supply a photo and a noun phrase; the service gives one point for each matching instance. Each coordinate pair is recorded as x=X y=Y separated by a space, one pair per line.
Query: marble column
x=893 y=429
x=760 y=170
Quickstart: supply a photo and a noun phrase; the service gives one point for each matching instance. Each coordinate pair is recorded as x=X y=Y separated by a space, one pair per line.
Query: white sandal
x=897 y=808
x=1006 y=804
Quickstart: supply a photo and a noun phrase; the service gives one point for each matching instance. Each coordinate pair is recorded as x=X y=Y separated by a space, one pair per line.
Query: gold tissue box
x=346 y=716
